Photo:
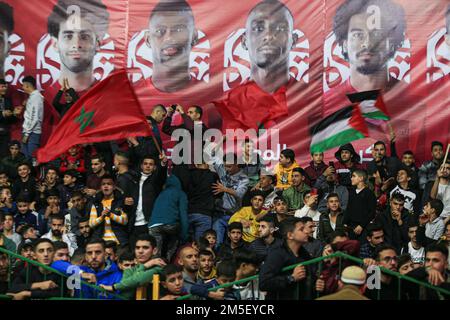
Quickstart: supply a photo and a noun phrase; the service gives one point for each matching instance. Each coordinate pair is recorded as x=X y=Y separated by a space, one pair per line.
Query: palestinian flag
x=371 y=104
x=339 y=128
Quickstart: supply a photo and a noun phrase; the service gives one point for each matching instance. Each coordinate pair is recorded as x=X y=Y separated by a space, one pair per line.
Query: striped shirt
x=95 y=220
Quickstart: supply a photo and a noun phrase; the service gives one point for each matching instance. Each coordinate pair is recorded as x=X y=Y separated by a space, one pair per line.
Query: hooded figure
x=347 y=164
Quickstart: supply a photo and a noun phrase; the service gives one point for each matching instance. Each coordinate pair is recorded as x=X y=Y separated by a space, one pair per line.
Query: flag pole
x=446 y=154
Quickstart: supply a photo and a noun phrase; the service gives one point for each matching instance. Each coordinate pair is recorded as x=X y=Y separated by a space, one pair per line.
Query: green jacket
x=294 y=198
x=135 y=277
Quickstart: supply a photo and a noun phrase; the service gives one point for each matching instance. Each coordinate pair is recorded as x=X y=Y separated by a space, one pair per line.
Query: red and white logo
x=438 y=56
x=15 y=61
x=237 y=60
x=140 y=58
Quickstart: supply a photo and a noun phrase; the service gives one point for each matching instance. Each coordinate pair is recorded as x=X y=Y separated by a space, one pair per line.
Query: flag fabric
x=371 y=104
x=339 y=128
x=249 y=107
x=109 y=111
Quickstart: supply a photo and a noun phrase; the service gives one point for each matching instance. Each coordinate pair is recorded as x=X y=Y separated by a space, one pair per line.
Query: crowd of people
x=120 y=212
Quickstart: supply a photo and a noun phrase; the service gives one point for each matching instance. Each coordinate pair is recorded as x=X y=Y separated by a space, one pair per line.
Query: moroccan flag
x=249 y=107
x=110 y=110
x=371 y=104
x=339 y=128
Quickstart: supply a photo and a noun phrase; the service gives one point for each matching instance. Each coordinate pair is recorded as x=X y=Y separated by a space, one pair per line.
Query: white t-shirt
x=417 y=256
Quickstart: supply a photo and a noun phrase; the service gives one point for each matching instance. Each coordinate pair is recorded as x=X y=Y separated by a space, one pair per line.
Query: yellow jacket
x=284 y=175
x=246 y=213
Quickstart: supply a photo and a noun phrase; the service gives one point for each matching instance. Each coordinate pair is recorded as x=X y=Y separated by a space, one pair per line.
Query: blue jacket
x=171 y=207
x=108 y=276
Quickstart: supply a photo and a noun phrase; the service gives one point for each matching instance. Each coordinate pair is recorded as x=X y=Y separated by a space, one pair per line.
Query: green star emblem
x=85 y=119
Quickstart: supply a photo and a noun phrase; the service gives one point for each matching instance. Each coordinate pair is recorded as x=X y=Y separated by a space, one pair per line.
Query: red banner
x=197 y=51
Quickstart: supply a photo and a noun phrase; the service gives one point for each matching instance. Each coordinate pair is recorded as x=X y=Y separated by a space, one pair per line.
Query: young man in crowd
x=375 y=237
x=348 y=161
x=107 y=218
x=206 y=268
x=25 y=184
x=441 y=189
x=93 y=181
x=403 y=187
x=172 y=281
x=85 y=232
x=58 y=233
x=332 y=219
x=249 y=216
x=38 y=283
x=294 y=194
x=394 y=221
x=415 y=249
x=283 y=170
x=234 y=241
x=266 y=238
x=315 y=169
x=61 y=251
x=8 y=228
x=282 y=285
x=428 y=170
x=98 y=270
x=152 y=177
x=361 y=206
x=137 y=280
x=328 y=183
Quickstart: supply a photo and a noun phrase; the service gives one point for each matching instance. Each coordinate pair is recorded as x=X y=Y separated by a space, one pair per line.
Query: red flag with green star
x=109 y=111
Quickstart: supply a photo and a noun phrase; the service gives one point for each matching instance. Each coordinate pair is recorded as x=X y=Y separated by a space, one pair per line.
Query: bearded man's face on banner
x=171 y=37
x=77 y=45
x=368 y=49
x=269 y=36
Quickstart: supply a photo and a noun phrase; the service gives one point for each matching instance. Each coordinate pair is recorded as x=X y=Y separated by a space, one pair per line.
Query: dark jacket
x=262 y=249
x=26 y=189
x=388 y=167
x=6 y=104
x=332 y=268
x=127 y=182
x=119 y=230
x=200 y=195
x=20 y=283
x=313 y=172
x=345 y=173
x=9 y=164
x=170 y=207
x=276 y=282
x=325 y=229
x=146 y=145
x=75 y=217
x=151 y=188
x=361 y=208
x=326 y=188
x=226 y=252
x=395 y=235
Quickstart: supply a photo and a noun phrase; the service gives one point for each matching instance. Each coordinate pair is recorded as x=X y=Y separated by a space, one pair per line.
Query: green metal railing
x=63 y=280
x=340 y=256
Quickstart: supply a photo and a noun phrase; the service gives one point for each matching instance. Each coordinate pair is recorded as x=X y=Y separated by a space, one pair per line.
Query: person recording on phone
x=328 y=183
x=192 y=120
x=295 y=193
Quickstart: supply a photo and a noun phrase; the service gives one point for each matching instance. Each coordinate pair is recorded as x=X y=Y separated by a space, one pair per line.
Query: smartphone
x=331 y=164
x=313 y=192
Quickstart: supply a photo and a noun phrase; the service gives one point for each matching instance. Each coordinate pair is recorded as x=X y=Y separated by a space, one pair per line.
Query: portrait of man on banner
x=171 y=35
x=269 y=38
x=77 y=28
x=369 y=33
